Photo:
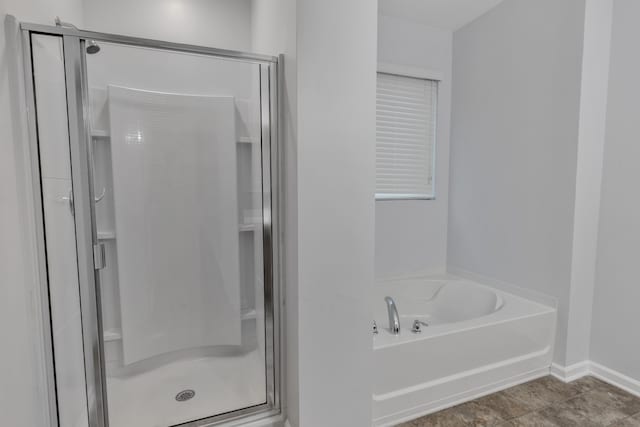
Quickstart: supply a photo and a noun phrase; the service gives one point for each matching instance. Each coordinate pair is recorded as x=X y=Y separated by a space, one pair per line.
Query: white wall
x=22 y=396
x=615 y=334
x=336 y=132
x=217 y=23
x=516 y=94
x=591 y=137
x=411 y=235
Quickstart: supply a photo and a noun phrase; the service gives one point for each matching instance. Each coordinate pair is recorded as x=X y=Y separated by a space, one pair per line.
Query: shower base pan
x=186 y=390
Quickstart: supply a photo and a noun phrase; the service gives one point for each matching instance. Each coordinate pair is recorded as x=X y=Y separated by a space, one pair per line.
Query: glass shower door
x=180 y=167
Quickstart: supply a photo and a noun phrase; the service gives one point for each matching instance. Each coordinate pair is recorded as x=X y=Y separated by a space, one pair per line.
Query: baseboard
x=571 y=372
x=466 y=396
x=579 y=370
x=615 y=378
x=564 y=373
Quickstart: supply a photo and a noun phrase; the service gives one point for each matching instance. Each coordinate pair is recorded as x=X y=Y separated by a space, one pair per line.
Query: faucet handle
x=375 y=328
x=416 y=329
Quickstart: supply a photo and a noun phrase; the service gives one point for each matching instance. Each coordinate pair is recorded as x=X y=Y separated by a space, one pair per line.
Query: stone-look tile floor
x=545 y=402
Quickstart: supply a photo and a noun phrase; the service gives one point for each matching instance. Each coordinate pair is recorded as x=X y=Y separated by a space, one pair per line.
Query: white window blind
x=405 y=136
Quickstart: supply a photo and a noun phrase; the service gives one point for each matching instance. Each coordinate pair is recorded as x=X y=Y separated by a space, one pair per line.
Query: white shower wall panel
x=165 y=72
x=174 y=164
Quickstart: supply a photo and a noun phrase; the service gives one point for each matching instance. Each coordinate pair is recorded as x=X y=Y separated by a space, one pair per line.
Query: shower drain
x=185 y=395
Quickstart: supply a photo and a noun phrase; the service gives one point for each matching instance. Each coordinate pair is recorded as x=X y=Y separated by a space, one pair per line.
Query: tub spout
x=394 y=319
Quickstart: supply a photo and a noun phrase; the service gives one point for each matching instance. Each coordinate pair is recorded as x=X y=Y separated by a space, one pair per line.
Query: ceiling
x=446 y=14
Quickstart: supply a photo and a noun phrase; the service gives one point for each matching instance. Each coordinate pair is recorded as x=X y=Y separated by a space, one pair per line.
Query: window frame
x=424 y=74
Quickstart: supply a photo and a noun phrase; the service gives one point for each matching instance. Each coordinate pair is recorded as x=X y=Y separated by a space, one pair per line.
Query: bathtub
x=478 y=340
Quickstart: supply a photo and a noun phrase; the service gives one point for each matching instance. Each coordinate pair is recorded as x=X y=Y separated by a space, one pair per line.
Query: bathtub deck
x=544 y=402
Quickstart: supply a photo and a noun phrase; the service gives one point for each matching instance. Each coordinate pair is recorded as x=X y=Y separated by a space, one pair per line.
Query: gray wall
x=516 y=94
x=224 y=24
x=336 y=86
x=615 y=340
x=411 y=235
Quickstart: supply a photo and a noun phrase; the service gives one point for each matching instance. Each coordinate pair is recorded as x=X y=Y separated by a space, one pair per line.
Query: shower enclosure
x=155 y=169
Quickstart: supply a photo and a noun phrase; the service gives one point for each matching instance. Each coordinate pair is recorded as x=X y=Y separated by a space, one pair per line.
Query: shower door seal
x=74 y=42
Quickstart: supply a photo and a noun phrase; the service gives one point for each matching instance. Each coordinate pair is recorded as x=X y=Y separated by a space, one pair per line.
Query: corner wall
x=591 y=139
x=411 y=235
x=615 y=338
x=516 y=99
x=336 y=52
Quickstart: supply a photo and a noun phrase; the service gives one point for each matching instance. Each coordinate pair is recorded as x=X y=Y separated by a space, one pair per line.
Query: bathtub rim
x=509 y=310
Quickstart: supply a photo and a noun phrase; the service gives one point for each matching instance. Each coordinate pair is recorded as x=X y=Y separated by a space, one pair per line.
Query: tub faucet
x=394 y=319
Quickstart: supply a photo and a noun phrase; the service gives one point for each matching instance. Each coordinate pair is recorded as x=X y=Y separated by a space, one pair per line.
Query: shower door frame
x=87 y=244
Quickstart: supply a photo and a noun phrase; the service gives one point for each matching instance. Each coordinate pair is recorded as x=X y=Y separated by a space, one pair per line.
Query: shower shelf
x=106 y=235
x=112 y=335
x=248 y=227
x=100 y=134
x=248 y=314
x=247 y=140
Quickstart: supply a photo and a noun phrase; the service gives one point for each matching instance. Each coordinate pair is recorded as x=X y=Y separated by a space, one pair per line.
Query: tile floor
x=543 y=402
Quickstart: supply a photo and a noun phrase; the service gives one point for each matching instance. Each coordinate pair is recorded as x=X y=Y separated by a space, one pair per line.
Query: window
x=405 y=136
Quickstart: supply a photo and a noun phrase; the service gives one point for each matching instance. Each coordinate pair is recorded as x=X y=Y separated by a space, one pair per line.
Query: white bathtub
x=479 y=340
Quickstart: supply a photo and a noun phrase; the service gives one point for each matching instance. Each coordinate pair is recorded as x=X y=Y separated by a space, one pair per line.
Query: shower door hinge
x=99 y=256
